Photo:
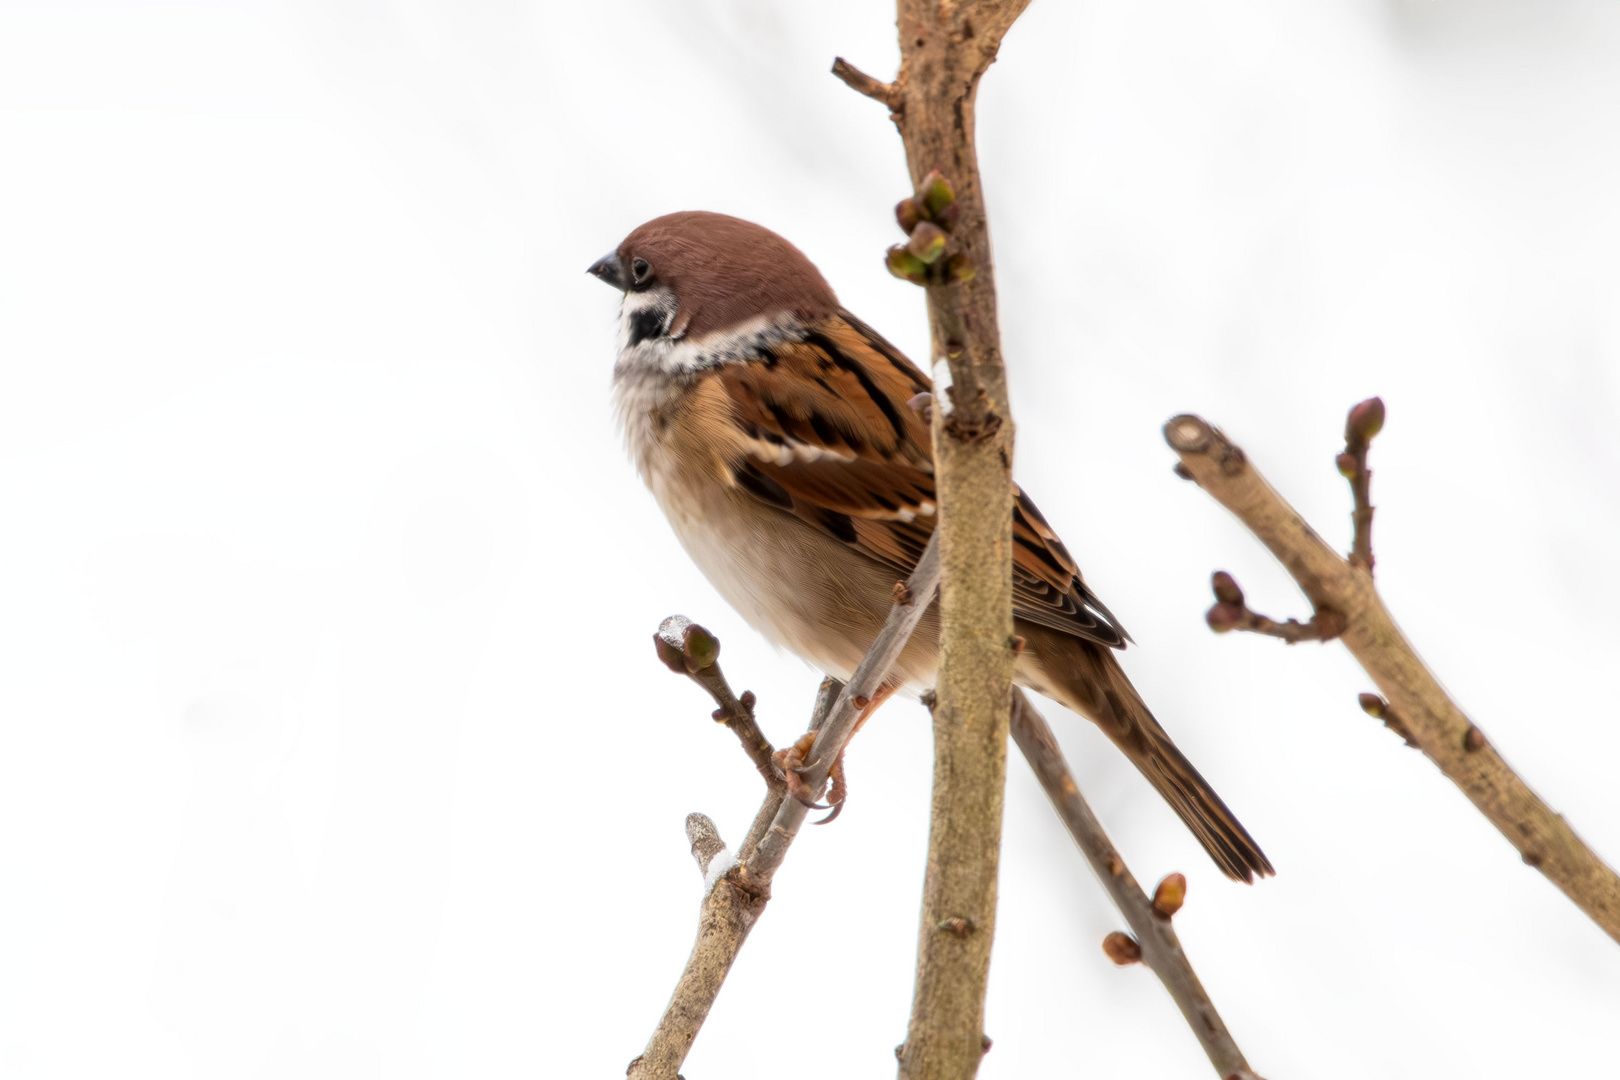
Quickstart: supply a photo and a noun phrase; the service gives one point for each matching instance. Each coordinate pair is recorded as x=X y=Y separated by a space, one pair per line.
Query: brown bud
x=987 y=1043
x=1224 y=617
x=927 y=242
x=929 y=699
x=906 y=266
x=935 y=193
x=670 y=654
x=960 y=268
x=1226 y=589
x=1346 y=464
x=1182 y=471
x=1170 y=895
x=956 y=926
x=1016 y=643
x=748 y=700
x=699 y=648
x=1364 y=421
x=1373 y=705
x=1474 y=740
x=908 y=212
x=1122 y=949
x=947 y=217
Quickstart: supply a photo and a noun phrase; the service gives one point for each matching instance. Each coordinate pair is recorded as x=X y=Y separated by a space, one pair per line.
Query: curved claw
x=837 y=808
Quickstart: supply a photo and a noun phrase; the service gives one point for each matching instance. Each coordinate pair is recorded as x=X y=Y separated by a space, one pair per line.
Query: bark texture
x=1427 y=714
x=945 y=48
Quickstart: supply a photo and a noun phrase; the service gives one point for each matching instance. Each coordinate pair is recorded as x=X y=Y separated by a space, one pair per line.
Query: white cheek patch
x=645 y=343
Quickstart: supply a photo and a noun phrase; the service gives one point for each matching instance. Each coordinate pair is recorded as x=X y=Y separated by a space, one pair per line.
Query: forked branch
x=1153 y=939
x=1412 y=702
x=737 y=898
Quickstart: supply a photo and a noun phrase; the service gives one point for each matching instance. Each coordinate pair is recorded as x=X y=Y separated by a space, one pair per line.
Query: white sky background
x=331 y=739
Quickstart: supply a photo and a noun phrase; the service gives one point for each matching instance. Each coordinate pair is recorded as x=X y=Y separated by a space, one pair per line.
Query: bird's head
x=695 y=277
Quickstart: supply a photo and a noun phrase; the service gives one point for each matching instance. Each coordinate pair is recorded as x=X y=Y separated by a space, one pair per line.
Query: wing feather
x=827 y=435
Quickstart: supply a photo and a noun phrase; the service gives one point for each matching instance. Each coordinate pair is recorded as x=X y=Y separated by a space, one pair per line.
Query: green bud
x=699 y=648
x=906 y=266
x=927 y=242
x=908 y=212
x=960 y=268
x=935 y=193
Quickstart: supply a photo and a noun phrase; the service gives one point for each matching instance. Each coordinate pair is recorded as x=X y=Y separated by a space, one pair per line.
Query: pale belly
x=805 y=591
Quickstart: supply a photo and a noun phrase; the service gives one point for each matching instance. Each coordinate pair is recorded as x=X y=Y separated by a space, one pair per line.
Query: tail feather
x=1085 y=677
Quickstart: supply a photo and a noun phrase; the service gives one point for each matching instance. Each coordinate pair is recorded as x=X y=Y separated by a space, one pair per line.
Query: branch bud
x=906 y=266
x=1364 y=421
x=908 y=212
x=960 y=268
x=1346 y=464
x=1373 y=705
x=699 y=648
x=1224 y=617
x=668 y=641
x=935 y=193
x=927 y=242
x=1170 y=895
x=1226 y=588
x=1122 y=949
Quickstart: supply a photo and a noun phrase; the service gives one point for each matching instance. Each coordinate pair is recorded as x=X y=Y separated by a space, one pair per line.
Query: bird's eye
x=640 y=270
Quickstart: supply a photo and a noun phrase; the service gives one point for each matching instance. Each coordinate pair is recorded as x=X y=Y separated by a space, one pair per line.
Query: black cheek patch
x=644 y=324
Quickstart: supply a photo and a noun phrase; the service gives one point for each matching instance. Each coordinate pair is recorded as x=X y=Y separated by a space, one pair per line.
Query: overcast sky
x=332 y=743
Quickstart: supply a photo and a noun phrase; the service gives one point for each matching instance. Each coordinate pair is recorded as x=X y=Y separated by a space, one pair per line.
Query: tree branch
x=738 y=897
x=945 y=48
x=688 y=649
x=1155 y=942
x=1426 y=715
x=862 y=83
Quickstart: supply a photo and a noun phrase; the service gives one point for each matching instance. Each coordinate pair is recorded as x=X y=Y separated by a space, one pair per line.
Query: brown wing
x=831 y=439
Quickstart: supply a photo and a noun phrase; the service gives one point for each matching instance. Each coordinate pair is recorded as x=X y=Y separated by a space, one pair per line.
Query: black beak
x=607 y=268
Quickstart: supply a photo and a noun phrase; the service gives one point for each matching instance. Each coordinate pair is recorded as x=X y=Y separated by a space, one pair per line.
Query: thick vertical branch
x=945 y=48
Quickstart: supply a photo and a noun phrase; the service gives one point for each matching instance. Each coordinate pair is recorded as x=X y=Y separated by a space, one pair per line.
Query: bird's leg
x=840 y=784
x=790 y=762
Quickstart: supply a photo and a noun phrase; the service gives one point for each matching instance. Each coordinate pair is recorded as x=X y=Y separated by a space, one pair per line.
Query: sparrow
x=774 y=429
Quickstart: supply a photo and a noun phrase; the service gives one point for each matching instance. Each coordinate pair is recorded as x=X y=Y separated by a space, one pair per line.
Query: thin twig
x=1426 y=712
x=1364 y=421
x=761 y=866
x=688 y=649
x=1231 y=612
x=1155 y=937
x=862 y=83
x=739 y=897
